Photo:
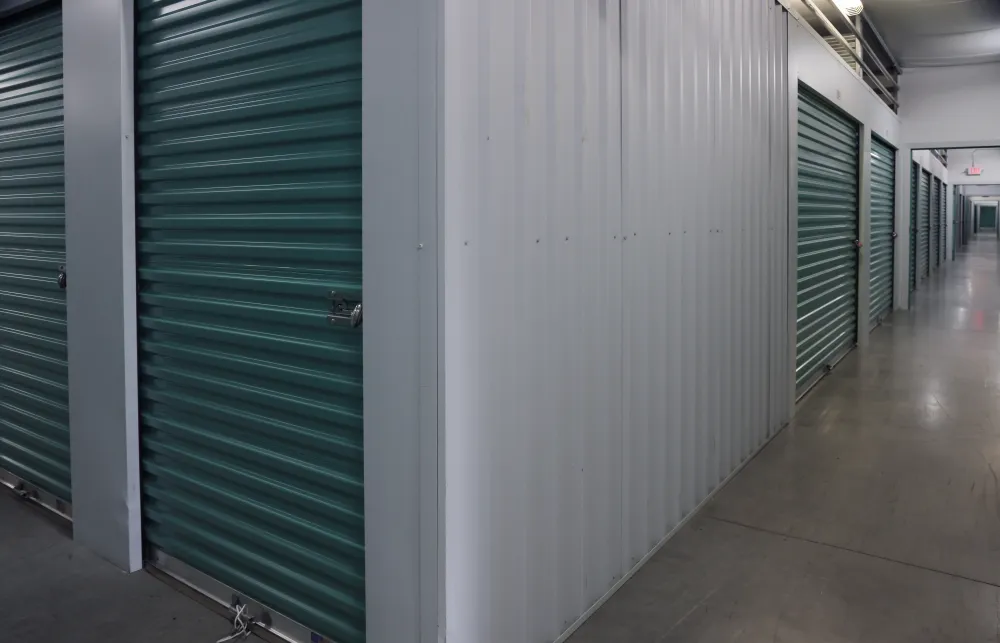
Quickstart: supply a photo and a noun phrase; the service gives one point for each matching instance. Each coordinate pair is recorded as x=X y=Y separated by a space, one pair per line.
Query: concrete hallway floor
x=874 y=517
x=54 y=591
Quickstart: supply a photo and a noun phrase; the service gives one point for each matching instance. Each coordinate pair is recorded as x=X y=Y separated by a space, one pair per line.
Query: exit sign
x=974 y=171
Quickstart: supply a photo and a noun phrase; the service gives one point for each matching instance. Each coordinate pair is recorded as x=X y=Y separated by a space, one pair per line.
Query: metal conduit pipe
x=868 y=48
x=881 y=41
x=836 y=34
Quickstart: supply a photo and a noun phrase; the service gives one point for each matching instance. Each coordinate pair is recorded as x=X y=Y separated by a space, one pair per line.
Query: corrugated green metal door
x=882 y=221
x=914 y=199
x=249 y=234
x=935 y=231
x=827 y=278
x=987 y=217
x=924 y=227
x=34 y=415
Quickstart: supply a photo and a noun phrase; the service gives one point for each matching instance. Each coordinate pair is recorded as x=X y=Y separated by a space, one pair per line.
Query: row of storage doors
x=249 y=249
x=829 y=238
x=929 y=227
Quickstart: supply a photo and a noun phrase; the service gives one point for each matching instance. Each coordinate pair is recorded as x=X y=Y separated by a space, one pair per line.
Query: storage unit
x=924 y=226
x=987 y=217
x=34 y=406
x=914 y=201
x=827 y=276
x=249 y=238
x=881 y=230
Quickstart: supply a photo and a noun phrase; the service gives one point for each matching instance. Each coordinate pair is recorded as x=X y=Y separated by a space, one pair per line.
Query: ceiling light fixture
x=849 y=7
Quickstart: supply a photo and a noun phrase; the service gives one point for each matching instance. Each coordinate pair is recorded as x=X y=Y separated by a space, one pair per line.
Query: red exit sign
x=974 y=171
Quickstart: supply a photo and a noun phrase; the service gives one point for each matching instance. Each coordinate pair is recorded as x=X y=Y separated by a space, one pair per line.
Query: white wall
x=611 y=351
x=944 y=107
x=960 y=160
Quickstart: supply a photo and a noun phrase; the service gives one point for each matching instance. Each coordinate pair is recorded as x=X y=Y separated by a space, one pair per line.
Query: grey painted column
x=901 y=283
x=864 y=234
x=793 y=225
x=101 y=283
x=401 y=154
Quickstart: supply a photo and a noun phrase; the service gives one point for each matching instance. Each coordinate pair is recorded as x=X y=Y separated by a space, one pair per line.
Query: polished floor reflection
x=874 y=517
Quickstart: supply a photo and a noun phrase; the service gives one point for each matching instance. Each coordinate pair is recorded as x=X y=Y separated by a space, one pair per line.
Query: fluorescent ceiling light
x=849 y=7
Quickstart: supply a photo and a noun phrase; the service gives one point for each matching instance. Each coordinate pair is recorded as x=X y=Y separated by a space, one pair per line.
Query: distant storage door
x=935 y=231
x=924 y=227
x=827 y=279
x=882 y=221
x=34 y=416
x=987 y=217
x=914 y=201
x=249 y=236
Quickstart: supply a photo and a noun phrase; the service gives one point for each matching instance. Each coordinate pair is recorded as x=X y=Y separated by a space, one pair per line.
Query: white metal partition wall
x=613 y=351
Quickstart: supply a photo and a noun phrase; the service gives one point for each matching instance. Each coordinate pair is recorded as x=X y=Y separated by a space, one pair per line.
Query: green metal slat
x=827 y=278
x=34 y=406
x=914 y=201
x=249 y=215
x=882 y=226
x=924 y=227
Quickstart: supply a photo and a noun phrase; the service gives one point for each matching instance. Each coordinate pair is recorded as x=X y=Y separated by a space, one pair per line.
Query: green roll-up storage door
x=882 y=221
x=914 y=199
x=827 y=278
x=987 y=217
x=34 y=415
x=924 y=227
x=249 y=233
x=935 y=231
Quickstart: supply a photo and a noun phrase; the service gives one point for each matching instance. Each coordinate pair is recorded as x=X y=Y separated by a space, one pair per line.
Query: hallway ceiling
x=929 y=33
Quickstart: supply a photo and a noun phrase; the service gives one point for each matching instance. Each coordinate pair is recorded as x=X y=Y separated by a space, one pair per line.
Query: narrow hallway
x=875 y=516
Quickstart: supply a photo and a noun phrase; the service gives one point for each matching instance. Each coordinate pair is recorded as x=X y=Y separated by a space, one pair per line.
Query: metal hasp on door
x=34 y=403
x=828 y=237
x=883 y=236
x=924 y=227
x=249 y=252
x=914 y=198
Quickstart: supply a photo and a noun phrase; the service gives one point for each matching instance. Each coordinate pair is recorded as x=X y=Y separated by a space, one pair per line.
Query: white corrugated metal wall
x=615 y=309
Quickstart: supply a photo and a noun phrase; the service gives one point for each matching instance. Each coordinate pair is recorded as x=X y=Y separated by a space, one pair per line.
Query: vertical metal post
x=101 y=297
x=864 y=233
x=793 y=227
x=901 y=284
x=401 y=59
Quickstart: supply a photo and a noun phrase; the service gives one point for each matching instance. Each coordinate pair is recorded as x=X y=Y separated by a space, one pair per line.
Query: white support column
x=950 y=210
x=901 y=284
x=793 y=227
x=864 y=234
x=400 y=155
x=101 y=290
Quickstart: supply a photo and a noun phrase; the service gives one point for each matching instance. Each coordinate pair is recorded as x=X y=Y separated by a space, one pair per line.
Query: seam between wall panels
x=623 y=324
